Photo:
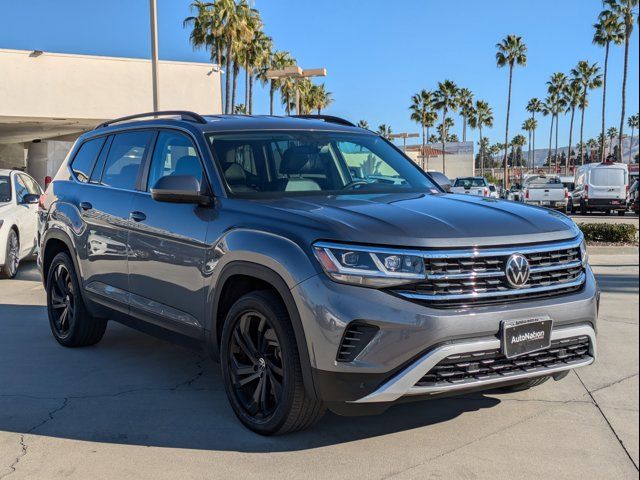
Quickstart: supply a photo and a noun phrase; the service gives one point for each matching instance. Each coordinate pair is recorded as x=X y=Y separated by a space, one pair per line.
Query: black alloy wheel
x=63 y=300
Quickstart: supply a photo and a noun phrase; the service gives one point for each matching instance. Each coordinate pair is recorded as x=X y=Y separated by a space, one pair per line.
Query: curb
x=612 y=250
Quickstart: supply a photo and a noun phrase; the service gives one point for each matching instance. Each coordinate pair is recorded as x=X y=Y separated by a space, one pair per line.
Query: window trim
x=93 y=163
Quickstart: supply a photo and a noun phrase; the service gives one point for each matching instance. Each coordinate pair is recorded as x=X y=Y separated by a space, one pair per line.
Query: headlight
x=369 y=266
x=584 y=254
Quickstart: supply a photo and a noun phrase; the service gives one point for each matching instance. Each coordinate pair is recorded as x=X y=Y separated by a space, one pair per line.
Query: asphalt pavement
x=137 y=407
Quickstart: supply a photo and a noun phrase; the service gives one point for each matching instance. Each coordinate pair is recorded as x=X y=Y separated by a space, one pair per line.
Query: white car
x=477 y=186
x=19 y=195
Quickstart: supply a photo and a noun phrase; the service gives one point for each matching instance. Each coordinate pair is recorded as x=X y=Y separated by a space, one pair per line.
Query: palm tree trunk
x=573 y=111
x=250 y=105
x=627 y=34
x=555 y=155
x=631 y=144
x=236 y=70
x=481 y=151
x=584 y=96
x=423 y=147
x=272 y=93
x=464 y=128
x=604 y=97
x=506 y=132
x=550 y=141
x=533 y=155
x=444 y=121
x=227 y=80
x=246 y=87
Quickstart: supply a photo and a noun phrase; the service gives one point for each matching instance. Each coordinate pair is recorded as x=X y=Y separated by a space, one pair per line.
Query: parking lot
x=134 y=406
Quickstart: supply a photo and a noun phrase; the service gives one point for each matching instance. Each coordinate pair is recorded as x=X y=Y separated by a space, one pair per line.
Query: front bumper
x=412 y=336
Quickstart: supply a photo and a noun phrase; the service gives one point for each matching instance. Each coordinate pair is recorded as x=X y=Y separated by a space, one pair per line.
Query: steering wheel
x=354 y=184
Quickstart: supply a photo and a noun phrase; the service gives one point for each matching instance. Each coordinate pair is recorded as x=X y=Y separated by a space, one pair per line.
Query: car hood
x=416 y=219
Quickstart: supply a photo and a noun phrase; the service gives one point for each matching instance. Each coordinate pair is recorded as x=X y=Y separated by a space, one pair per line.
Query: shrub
x=609 y=232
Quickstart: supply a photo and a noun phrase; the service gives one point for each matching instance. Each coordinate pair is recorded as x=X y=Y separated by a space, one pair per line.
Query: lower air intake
x=355 y=338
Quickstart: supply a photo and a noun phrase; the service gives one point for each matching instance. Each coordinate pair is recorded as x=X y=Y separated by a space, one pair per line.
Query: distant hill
x=540 y=154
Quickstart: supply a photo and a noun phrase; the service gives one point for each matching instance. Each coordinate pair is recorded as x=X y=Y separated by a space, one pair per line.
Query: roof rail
x=326 y=118
x=183 y=114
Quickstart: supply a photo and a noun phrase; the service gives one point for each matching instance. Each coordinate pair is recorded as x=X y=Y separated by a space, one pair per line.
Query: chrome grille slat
x=478 y=276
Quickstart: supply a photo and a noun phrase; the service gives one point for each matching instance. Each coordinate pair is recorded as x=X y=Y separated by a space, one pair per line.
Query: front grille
x=356 y=336
x=492 y=364
x=477 y=277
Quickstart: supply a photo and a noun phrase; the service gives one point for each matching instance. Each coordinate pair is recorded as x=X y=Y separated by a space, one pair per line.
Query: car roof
x=229 y=123
x=6 y=171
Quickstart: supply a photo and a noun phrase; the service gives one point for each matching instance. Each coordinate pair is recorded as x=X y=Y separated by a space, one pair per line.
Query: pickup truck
x=545 y=191
x=477 y=186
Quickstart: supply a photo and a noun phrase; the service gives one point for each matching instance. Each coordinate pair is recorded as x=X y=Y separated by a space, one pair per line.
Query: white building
x=48 y=99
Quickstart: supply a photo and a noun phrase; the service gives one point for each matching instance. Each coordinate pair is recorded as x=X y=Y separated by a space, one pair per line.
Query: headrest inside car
x=295 y=158
x=235 y=175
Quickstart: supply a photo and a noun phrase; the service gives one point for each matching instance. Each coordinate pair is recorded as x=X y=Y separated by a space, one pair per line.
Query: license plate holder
x=520 y=337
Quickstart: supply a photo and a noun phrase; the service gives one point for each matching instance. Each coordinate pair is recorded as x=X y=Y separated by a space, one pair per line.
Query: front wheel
x=70 y=323
x=261 y=367
x=12 y=256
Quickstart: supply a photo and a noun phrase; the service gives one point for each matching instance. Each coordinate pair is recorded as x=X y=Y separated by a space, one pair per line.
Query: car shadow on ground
x=134 y=389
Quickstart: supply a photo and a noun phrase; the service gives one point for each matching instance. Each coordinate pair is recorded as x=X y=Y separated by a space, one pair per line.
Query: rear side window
x=85 y=158
x=5 y=189
x=124 y=160
x=174 y=154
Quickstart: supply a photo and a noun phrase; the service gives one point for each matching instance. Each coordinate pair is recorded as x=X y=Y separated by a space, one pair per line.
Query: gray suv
x=315 y=261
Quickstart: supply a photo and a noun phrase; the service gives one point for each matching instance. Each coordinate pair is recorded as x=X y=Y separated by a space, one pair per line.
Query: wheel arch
x=258 y=277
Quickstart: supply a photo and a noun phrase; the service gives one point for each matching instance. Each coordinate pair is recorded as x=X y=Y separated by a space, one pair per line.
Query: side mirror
x=30 y=199
x=179 y=189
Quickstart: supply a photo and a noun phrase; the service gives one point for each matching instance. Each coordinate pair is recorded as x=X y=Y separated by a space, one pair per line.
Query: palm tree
x=516 y=149
x=549 y=109
x=288 y=94
x=481 y=115
x=589 y=77
x=593 y=144
x=255 y=57
x=433 y=138
x=314 y=97
x=611 y=134
x=446 y=100
x=465 y=102
x=422 y=112
x=512 y=51
x=444 y=128
x=626 y=13
x=529 y=126
x=276 y=61
x=385 y=131
x=483 y=146
x=557 y=85
x=607 y=30
x=534 y=106
x=573 y=97
x=363 y=124
x=632 y=123
x=206 y=30
x=240 y=109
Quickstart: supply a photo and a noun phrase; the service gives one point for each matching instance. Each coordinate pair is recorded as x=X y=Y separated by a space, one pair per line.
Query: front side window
x=21 y=189
x=125 y=157
x=174 y=154
x=5 y=189
x=302 y=162
x=31 y=184
x=85 y=158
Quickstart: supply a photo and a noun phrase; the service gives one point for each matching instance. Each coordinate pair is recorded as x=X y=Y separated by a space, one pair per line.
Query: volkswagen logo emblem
x=517 y=270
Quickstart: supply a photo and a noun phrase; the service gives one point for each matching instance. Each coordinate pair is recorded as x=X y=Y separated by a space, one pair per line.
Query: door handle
x=137 y=216
x=85 y=206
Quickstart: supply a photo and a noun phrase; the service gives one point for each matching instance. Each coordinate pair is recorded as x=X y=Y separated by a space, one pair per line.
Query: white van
x=601 y=186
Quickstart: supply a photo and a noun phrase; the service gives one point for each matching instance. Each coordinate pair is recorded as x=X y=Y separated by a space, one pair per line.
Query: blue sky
x=377 y=53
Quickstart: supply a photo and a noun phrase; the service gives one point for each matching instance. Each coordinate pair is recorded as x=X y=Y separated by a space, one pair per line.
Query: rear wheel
x=583 y=209
x=70 y=323
x=518 y=387
x=621 y=213
x=12 y=256
x=261 y=367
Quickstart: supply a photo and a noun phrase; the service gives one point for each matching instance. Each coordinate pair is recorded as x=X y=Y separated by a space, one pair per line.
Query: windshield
x=302 y=162
x=543 y=181
x=607 y=177
x=470 y=182
x=5 y=189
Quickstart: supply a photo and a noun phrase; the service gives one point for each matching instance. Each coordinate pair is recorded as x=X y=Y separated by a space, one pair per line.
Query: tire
x=583 y=209
x=75 y=328
x=271 y=372
x=621 y=213
x=518 y=387
x=12 y=256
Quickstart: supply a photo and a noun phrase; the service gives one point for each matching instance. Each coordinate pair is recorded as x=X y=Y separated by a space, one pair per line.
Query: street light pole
x=295 y=72
x=153 y=16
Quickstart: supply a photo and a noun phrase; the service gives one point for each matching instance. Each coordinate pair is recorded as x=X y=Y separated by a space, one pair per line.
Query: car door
x=25 y=216
x=31 y=215
x=103 y=196
x=167 y=248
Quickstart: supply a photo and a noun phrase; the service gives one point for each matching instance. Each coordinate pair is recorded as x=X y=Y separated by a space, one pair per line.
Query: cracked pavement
x=137 y=407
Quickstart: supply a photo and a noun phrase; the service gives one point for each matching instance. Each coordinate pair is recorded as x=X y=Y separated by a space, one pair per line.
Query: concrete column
x=13 y=155
x=44 y=158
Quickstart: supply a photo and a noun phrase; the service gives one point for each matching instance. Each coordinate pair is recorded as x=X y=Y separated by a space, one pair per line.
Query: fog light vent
x=355 y=338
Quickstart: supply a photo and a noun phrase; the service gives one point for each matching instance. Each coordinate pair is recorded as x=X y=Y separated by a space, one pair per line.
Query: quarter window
x=174 y=154
x=124 y=160
x=21 y=189
x=85 y=158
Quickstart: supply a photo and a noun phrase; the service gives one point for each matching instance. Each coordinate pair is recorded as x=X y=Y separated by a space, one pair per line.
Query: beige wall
x=456 y=165
x=54 y=85
x=12 y=155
